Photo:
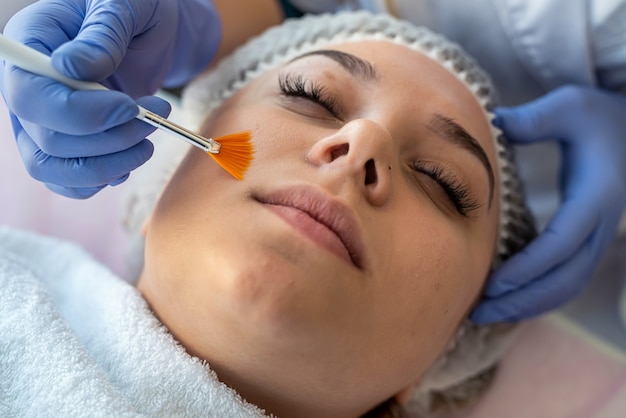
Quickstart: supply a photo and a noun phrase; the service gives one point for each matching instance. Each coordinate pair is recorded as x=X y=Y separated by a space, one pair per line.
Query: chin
x=262 y=291
x=279 y=298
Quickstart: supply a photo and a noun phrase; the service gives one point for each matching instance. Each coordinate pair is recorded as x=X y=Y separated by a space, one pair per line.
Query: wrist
x=240 y=27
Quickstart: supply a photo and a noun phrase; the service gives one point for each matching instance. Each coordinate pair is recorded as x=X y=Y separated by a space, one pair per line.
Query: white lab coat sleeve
x=529 y=47
x=552 y=38
x=478 y=27
x=608 y=21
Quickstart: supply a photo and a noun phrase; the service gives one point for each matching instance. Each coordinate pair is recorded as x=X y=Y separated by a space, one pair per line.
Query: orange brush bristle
x=235 y=153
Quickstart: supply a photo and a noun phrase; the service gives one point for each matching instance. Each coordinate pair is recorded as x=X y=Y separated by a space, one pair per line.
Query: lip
x=303 y=205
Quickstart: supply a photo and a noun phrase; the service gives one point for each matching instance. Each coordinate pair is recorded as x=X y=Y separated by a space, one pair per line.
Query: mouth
x=320 y=218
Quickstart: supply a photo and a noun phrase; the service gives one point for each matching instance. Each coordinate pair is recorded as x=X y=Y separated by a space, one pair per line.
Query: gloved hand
x=590 y=126
x=79 y=142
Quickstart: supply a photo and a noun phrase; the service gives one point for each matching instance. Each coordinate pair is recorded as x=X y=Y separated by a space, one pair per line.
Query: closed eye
x=298 y=86
x=455 y=190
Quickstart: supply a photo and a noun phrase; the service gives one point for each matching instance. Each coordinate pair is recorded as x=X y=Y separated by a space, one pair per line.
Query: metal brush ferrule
x=206 y=144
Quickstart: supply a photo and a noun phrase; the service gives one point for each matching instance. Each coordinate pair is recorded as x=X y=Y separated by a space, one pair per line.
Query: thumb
x=100 y=45
x=539 y=120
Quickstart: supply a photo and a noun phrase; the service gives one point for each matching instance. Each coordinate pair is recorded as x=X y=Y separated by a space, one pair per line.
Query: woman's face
x=337 y=271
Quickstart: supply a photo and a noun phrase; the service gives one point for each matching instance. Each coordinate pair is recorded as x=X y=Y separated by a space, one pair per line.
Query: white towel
x=76 y=341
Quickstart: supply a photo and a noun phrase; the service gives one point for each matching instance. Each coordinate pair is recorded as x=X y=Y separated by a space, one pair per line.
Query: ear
x=402 y=397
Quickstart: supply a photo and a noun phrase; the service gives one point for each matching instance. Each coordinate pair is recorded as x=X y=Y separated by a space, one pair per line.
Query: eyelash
x=299 y=86
x=457 y=192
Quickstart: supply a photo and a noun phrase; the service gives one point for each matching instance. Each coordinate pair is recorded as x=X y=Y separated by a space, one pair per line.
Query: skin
x=280 y=312
x=238 y=27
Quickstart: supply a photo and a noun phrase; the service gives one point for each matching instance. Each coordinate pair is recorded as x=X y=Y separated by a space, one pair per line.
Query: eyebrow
x=354 y=65
x=448 y=129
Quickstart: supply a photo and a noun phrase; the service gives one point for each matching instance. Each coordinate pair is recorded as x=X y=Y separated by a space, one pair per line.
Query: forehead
x=402 y=69
x=394 y=62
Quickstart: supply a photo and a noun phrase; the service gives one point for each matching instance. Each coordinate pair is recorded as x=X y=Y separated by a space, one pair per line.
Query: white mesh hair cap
x=473 y=351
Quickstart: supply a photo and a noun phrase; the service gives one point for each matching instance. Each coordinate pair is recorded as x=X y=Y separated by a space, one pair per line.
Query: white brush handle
x=35 y=62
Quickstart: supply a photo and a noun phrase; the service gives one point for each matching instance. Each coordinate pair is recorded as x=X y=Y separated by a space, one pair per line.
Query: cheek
x=432 y=282
x=437 y=269
x=275 y=131
x=441 y=262
x=421 y=298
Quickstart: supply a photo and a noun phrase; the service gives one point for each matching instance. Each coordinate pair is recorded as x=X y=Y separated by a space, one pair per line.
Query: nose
x=360 y=151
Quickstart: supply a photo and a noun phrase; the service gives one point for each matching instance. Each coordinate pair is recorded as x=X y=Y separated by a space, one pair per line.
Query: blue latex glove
x=590 y=126
x=77 y=142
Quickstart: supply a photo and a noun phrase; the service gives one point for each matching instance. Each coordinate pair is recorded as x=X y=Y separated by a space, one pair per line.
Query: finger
x=542 y=295
x=156 y=105
x=81 y=172
x=526 y=123
x=73 y=192
x=542 y=119
x=569 y=229
x=39 y=26
x=57 y=144
x=48 y=103
x=117 y=139
x=100 y=45
x=120 y=180
x=581 y=212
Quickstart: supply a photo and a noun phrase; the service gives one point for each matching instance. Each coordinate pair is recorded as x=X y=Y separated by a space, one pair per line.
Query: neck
x=273 y=372
x=276 y=399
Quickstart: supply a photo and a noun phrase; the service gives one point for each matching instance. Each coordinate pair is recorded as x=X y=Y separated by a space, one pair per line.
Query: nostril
x=338 y=151
x=370 y=172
